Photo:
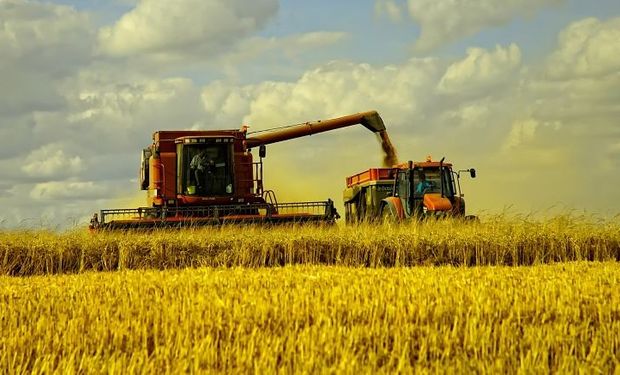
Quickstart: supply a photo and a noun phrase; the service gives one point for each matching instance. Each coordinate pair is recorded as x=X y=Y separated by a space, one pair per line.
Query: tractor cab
x=425 y=188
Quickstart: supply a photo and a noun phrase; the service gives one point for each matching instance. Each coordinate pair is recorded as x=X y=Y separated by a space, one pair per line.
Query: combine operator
x=204 y=166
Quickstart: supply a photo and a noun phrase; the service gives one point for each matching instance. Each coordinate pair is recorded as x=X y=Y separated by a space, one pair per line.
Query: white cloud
x=119 y=99
x=185 y=27
x=119 y=113
x=471 y=115
x=290 y=47
x=481 y=70
x=444 y=21
x=40 y=44
x=226 y=104
x=587 y=48
x=525 y=131
x=72 y=190
x=389 y=8
x=341 y=87
x=51 y=160
x=315 y=39
x=44 y=30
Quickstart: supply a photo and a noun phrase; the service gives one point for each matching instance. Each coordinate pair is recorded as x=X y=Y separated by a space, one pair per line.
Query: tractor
x=408 y=190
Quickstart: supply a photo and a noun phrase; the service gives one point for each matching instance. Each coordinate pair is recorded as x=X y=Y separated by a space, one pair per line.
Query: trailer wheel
x=361 y=206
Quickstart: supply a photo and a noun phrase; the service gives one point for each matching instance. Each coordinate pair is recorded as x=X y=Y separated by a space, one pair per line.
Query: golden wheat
x=563 y=317
x=499 y=241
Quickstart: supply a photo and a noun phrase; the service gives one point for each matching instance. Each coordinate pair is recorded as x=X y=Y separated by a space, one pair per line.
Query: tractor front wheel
x=387 y=216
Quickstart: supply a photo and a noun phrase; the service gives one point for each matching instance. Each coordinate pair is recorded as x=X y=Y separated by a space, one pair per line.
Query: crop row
x=562 y=318
x=494 y=242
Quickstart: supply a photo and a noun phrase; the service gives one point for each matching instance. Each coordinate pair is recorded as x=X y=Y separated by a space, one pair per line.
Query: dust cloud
x=132 y=200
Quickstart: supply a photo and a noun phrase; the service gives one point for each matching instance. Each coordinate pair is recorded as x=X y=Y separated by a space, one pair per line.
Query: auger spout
x=371 y=120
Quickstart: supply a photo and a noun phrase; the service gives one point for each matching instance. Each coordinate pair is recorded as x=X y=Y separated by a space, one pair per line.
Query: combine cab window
x=205 y=169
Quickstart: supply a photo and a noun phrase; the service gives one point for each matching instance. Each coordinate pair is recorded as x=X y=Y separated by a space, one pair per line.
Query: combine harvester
x=208 y=177
x=409 y=190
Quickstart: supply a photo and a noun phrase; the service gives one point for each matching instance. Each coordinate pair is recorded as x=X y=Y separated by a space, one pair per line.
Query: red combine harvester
x=408 y=190
x=210 y=177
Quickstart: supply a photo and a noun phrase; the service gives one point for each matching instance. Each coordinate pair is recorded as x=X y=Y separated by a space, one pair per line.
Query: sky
x=525 y=91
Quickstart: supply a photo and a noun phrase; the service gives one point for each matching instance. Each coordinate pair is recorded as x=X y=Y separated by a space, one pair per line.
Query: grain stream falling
x=390 y=157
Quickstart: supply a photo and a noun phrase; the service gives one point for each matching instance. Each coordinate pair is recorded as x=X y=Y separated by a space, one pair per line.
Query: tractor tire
x=387 y=216
x=471 y=219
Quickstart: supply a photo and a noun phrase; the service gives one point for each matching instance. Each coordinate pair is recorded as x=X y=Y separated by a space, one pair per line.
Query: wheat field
x=496 y=241
x=506 y=295
x=563 y=318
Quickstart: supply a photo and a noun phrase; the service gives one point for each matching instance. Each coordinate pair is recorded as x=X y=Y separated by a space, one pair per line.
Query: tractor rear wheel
x=471 y=219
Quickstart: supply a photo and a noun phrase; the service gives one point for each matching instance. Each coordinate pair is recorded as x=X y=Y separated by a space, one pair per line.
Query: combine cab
x=211 y=177
x=410 y=190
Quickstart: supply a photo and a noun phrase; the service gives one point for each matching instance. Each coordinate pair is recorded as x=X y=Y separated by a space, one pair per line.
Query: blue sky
x=524 y=91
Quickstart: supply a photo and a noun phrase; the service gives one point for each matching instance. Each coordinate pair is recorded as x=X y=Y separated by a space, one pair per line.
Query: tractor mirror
x=472 y=173
x=262 y=151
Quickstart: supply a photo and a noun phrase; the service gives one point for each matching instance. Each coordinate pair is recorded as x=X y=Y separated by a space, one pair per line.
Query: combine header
x=408 y=190
x=210 y=177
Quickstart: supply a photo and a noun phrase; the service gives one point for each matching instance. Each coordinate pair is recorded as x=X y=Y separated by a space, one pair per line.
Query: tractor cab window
x=428 y=181
x=205 y=169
